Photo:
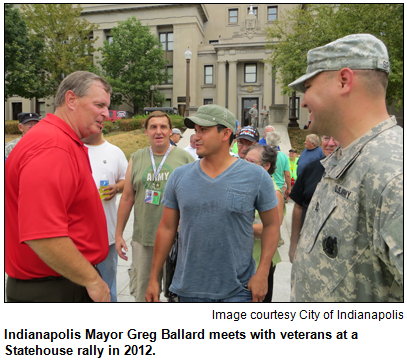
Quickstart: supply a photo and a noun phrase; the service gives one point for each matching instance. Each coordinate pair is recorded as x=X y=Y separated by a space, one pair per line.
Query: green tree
x=67 y=39
x=386 y=22
x=132 y=63
x=308 y=26
x=23 y=64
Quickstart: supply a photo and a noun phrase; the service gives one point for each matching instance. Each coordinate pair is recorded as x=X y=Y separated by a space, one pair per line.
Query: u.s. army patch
x=330 y=246
x=343 y=192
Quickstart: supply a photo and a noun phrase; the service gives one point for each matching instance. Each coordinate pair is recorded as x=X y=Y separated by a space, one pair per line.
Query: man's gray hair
x=314 y=139
x=79 y=82
x=273 y=139
x=269 y=127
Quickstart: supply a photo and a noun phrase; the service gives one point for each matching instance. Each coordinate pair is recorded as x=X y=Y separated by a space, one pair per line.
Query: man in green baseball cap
x=210 y=115
x=219 y=123
x=351 y=244
x=215 y=199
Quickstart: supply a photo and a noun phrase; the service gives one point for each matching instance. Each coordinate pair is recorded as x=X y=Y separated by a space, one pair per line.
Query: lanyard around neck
x=157 y=171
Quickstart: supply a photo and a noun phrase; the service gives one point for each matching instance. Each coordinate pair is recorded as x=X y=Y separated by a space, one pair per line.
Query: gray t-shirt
x=216 y=226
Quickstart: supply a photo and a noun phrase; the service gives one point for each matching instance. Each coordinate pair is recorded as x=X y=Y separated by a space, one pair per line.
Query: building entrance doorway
x=17 y=108
x=247 y=104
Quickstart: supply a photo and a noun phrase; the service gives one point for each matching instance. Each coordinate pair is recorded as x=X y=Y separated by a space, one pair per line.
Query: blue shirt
x=216 y=226
x=308 y=156
x=236 y=125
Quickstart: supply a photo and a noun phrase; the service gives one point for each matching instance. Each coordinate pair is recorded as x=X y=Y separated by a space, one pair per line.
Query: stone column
x=267 y=81
x=221 y=86
x=279 y=99
x=100 y=34
x=232 y=101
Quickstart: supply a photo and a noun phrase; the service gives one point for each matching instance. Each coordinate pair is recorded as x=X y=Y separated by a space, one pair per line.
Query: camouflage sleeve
x=9 y=146
x=388 y=228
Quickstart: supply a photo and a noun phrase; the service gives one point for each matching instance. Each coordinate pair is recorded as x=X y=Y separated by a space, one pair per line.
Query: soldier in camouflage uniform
x=351 y=244
x=25 y=122
x=10 y=145
x=264 y=117
x=254 y=117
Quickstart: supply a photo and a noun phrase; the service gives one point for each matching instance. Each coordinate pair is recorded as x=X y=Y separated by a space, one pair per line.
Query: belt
x=40 y=279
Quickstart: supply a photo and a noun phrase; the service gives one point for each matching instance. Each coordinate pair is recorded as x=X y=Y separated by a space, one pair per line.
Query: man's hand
x=258 y=286
x=269 y=240
x=110 y=192
x=120 y=245
x=291 y=251
x=296 y=225
x=99 y=291
x=152 y=291
x=287 y=193
x=63 y=257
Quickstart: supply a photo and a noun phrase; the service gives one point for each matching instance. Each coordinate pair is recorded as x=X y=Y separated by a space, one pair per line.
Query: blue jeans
x=243 y=296
x=108 y=270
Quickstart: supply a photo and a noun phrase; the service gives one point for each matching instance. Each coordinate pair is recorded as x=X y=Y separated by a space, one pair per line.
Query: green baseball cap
x=357 y=51
x=210 y=115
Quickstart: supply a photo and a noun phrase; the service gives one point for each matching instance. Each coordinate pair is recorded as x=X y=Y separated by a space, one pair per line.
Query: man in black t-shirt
x=304 y=189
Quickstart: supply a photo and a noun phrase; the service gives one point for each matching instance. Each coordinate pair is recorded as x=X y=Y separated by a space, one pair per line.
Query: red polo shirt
x=50 y=192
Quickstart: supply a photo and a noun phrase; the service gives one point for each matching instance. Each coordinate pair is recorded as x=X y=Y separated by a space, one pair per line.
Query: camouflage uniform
x=356 y=51
x=254 y=117
x=351 y=244
x=9 y=146
x=264 y=117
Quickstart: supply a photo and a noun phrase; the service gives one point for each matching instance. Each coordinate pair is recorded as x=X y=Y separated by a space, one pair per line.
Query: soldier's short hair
x=373 y=81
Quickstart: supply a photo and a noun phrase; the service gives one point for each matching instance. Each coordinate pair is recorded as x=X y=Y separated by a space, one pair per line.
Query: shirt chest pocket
x=315 y=219
x=336 y=243
x=239 y=201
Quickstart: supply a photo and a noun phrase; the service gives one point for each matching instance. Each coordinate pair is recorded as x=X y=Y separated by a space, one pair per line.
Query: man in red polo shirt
x=55 y=226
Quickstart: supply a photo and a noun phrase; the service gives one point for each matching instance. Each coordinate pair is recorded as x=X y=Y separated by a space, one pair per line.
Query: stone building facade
x=227 y=45
x=227 y=42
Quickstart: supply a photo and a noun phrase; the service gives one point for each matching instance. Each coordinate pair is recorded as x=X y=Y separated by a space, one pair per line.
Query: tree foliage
x=66 y=37
x=22 y=61
x=132 y=63
x=306 y=27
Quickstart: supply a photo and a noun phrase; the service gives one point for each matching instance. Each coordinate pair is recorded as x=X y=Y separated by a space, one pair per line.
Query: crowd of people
x=221 y=200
